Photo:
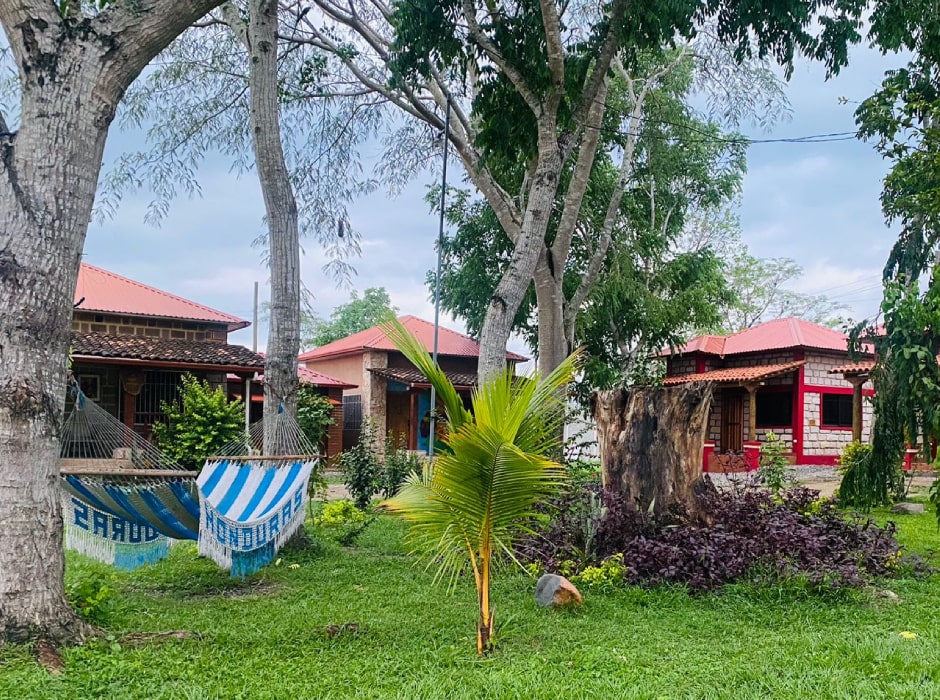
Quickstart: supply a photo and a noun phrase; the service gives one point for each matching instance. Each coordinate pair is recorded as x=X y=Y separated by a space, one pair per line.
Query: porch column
x=857 y=382
x=752 y=411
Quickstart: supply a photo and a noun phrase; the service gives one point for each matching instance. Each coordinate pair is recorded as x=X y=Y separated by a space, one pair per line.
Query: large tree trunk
x=506 y=299
x=651 y=443
x=73 y=70
x=280 y=369
x=550 y=301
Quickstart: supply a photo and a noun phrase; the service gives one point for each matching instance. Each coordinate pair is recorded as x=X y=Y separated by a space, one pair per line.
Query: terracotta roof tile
x=861 y=367
x=164 y=350
x=411 y=376
x=781 y=334
x=449 y=342
x=737 y=374
x=100 y=290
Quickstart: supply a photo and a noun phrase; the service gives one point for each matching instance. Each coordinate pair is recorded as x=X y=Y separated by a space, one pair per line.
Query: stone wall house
x=386 y=387
x=788 y=376
x=131 y=344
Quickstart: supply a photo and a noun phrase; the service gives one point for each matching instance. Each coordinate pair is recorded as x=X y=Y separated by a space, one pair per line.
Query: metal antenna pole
x=437 y=279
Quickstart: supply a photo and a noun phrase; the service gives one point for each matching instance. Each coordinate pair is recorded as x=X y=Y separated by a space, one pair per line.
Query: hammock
x=250 y=505
x=125 y=501
x=122 y=498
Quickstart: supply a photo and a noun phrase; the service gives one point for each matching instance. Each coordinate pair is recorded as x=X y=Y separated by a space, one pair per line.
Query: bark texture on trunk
x=651 y=443
x=280 y=368
x=73 y=71
x=506 y=299
x=554 y=344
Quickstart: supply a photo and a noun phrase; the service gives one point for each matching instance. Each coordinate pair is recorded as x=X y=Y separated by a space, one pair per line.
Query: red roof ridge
x=374 y=338
x=222 y=316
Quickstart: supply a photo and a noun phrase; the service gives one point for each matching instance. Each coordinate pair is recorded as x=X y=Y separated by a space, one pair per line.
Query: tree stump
x=651 y=442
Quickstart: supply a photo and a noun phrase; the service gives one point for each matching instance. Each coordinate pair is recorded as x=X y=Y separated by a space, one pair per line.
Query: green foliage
x=358 y=314
x=852 y=455
x=199 y=424
x=91 y=595
x=629 y=643
x=607 y=576
x=360 y=466
x=774 y=469
x=314 y=414
x=340 y=512
x=761 y=295
x=481 y=491
x=397 y=465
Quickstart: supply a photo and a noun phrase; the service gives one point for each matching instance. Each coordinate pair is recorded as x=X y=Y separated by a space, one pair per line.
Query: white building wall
x=817 y=440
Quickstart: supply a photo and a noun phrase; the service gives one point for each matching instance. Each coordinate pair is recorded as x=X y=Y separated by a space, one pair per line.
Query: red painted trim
x=699 y=364
x=823 y=426
x=819 y=460
x=799 y=354
x=819 y=389
x=798 y=417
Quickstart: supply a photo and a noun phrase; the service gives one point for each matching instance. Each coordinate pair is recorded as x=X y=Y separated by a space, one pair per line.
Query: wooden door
x=732 y=420
x=398 y=416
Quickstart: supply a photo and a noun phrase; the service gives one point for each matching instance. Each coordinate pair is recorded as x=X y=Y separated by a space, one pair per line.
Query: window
x=837 y=410
x=352 y=412
x=157 y=389
x=774 y=409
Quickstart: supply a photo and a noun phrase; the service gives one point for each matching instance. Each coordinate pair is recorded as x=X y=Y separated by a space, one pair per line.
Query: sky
x=815 y=203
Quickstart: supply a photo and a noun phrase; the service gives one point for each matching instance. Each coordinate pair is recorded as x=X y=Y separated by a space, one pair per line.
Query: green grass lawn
x=266 y=637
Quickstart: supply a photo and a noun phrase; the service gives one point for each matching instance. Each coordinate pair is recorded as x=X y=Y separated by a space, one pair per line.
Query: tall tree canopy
x=358 y=314
x=901 y=118
x=529 y=84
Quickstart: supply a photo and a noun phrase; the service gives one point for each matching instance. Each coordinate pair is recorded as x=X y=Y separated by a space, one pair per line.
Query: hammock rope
x=123 y=499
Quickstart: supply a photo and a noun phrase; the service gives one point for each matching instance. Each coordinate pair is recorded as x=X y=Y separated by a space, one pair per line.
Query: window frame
x=842 y=395
x=789 y=392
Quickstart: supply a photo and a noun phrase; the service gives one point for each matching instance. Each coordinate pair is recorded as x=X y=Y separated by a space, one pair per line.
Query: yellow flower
x=293 y=566
x=907 y=635
x=277 y=563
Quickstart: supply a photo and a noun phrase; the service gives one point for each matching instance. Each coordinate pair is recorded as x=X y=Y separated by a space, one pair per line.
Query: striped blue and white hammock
x=249 y=507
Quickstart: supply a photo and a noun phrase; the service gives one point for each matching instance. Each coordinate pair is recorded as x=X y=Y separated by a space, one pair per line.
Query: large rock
x=555 y=590
x=908 y=508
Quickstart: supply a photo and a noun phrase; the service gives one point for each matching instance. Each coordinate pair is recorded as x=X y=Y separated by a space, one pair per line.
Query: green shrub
x=852 y=455
x=91 y=597
x=583 y=471
x=608 y=575
x=399 y=463
x=361 y=468
x=336 y=513
x=314 y=414
x=774 y=469
x=199 y=424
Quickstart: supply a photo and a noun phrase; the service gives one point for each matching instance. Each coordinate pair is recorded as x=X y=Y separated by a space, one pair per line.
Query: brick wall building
x=788 y=376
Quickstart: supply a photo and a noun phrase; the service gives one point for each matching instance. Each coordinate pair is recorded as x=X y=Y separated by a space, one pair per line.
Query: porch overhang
x=414 y=379
x=737 y=376
x=854 y=369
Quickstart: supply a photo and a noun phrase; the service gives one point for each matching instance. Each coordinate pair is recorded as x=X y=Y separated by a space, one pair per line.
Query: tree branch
x=606 y=56
x=137 y=30
x=554 y=49
x=232 y=17
x=493 y=53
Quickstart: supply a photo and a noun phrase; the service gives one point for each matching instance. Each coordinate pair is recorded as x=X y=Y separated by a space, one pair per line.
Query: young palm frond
x=483 y=489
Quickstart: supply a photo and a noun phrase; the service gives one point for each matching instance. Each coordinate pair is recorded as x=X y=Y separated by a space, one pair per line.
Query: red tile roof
x=449 y=342
x=311 y=376
x=100 y=290
x=862 y=367
x=166 y=351
x=781 y=334
x=737 y=375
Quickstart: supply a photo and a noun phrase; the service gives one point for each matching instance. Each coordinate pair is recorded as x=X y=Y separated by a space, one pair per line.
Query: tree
x=901 y=118
x=358 y=314
x=760 y=295
x=481 y=491
x=549 y=65
x=645 y=293
x=74 y=67
x=280 y=362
